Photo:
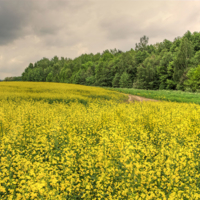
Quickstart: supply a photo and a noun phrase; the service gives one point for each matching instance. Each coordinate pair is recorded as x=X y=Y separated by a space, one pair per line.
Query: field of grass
x=165 y=95
x=64 y=141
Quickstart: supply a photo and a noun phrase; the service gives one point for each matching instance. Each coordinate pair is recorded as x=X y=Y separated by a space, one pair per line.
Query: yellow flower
x=2 y=189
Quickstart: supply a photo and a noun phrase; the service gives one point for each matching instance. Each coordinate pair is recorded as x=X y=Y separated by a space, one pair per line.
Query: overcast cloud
x=33 y=29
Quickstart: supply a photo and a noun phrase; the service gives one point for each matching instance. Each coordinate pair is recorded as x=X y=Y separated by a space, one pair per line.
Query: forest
x=163 y=66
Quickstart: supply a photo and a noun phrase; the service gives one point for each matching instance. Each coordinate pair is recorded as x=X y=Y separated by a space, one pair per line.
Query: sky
x=33 y=29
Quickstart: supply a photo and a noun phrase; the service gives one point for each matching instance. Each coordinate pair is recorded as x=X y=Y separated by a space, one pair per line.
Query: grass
x=165 y=95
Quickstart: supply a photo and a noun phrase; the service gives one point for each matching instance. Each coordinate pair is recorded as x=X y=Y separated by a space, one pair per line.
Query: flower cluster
x=98 y=148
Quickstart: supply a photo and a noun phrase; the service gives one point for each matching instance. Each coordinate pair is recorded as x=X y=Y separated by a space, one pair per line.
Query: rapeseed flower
x=95 y=148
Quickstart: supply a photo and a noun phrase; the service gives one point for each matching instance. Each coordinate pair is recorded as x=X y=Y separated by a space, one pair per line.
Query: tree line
x=165 y=65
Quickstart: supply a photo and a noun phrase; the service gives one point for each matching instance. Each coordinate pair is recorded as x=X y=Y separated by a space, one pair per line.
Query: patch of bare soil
x=133 y=98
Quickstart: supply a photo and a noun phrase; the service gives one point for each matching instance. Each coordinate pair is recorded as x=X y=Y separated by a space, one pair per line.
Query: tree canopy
x=164 y=65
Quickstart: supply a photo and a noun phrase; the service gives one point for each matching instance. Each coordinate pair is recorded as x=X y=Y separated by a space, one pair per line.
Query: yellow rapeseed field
x=65 y=141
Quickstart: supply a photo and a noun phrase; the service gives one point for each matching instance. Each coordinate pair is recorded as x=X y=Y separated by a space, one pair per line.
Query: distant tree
x=98 y=72
x=65 y=75
x=170 y=84
x=128 y=64
x=125 y=81
x=54 y=60
x=107 y=76
x=56 y=78
x=37 y=74
x=143 y=44
x=167 y=44
x=164 y=65
x=49 y=77
x=159 y=47
x=80 y=77
x=175 y=45
x=43 y=63
x=47 y=71
x=96 y=57
x=113 y=51
x=196 y=41
x=188 y=35
x=195 y=60
x=90 y=80
x=163 y=71
x=193 y=81
x=8 y=79
x=30 y=66
x=151 y=49
x=62 y=62
x=140 y=56
x=106 y=56
x=147 y=77
x=77 y=65
x=56 y=69
x=26 y=73
x=181 y=62
x=89 y=66
x=115 y=82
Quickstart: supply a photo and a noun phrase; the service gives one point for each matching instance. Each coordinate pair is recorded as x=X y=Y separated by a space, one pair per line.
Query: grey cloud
x=33 y=29
x=121 y=27
x=14 y=16
x=19 y=18
x=155 y=19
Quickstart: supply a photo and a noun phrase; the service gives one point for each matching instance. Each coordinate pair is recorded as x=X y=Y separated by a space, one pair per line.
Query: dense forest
x=165 y=65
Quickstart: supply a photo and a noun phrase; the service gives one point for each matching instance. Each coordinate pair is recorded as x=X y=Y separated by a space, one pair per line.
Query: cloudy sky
x=33 y=29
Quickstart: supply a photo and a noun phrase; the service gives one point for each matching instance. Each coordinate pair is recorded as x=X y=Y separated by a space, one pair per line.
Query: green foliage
x=151 y=49
x=188 y=35
x=159 y=47
x=143 y=44
x=167 y=44
x=106 y=56
x=196 y=41
x=125 y=81
x=115 y=82
x=90 y=80
x=15 y=78
x=193 y=81
x=96 y=57
x=37 y=74
x=103 y=73
x=87 y=65
x=171 y=85
x=140 y=56
x=47 y=71
x=49 y=77
x=147 y=73
x=55 y=60
x=174 y=47
x=129 y=65
x=195 y=60
x=65 y=75
x=56 y=78
x=164 y=65
x=162 y=70
x=181 y=62
x=80 y=77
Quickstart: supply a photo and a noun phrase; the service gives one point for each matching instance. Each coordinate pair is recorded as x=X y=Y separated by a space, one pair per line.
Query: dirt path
x=133 y=98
